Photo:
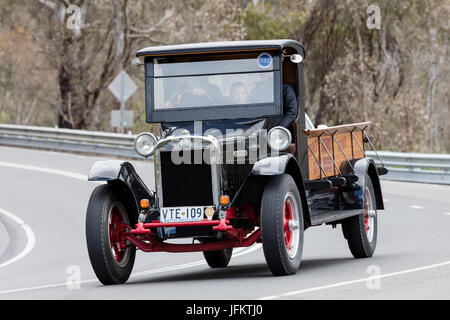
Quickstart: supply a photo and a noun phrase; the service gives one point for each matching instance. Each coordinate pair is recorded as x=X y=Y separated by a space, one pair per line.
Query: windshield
x=234 y=80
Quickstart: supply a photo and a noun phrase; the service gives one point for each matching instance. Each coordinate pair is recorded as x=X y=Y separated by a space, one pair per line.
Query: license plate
x=182 y=214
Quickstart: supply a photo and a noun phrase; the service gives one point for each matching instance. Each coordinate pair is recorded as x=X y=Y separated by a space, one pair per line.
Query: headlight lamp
x=279 y=138
x=145 y=144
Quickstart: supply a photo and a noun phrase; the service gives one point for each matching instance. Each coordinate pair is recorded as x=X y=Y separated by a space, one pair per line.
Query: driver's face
x=239 y=95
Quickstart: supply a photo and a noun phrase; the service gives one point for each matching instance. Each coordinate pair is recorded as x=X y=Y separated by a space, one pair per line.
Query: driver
x=238 y=93
x=194 y=91
x=190 y=93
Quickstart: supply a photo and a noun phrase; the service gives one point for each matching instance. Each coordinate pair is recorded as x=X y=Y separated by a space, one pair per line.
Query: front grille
x=185 y=184
x=236 y=174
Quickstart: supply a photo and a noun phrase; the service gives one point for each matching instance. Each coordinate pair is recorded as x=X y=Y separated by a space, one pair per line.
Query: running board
x=328 y=216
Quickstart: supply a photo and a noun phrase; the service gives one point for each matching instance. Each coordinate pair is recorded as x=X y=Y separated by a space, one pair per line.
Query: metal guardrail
x=67 y=134
x=412 y=167
x=415 y=167
x=102 y=143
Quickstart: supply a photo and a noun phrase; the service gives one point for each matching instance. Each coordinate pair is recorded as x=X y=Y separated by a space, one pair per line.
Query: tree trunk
x=65 y=90
x=323 y=102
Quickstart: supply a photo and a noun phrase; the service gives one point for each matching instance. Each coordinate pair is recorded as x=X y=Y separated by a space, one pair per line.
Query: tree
x=90 y=42
x=393 y=76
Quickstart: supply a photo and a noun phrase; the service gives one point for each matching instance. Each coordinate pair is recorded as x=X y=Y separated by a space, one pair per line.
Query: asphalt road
x=43 y=255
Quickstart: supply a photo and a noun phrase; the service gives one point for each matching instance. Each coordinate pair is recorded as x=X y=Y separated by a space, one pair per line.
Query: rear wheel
x=361 y=230
x=218 y=259
x=282 y=225
x=112 y=258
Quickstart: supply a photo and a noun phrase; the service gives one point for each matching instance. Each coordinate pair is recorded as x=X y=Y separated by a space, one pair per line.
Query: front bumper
x=217 y=225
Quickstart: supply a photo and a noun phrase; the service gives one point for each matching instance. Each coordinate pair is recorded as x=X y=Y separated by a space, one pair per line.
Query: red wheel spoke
x=115 y=226
x=285 y=224
x=287 y=217
x=366 y=213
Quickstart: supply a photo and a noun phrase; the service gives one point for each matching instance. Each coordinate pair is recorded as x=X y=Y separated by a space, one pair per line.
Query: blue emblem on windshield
x=264 y=60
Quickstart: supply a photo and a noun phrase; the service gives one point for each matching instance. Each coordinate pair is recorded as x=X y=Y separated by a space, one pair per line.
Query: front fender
x=271 y=165
x=116 y=171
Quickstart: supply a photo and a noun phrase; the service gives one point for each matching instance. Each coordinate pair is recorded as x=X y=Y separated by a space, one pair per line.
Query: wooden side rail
x=329 y=147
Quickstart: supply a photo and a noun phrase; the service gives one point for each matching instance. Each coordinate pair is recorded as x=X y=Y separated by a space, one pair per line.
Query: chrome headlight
x=279 y=138
x=145 y=143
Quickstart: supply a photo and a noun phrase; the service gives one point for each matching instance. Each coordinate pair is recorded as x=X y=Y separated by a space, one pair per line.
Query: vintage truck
x=225 y=175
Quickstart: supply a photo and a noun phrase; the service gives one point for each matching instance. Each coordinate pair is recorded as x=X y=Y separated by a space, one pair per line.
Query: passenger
x=238 y=93
x=289 y=108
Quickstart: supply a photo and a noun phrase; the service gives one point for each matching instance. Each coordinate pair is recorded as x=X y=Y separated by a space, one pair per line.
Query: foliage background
x=396 y=76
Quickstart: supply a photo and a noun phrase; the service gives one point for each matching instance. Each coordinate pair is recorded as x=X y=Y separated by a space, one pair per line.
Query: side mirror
x=296 y=58
x=136 y=63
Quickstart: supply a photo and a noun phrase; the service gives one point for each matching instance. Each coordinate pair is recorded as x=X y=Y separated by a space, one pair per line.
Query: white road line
x=55 y=285
x=414 y=206
x=345 y=283
x=45 y=170
x=447 y=213
x=242 y=252
x=386 y=200
x=31 y=239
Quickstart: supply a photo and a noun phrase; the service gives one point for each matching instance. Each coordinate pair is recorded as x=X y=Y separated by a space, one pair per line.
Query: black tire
x=218 y=259
x=362 y=242
x=280 y=259
x=105 y=202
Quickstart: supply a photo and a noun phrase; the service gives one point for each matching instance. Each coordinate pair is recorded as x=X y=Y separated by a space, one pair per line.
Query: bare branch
x=146 y=36
x=90 y=25
x=155 y=27
x=65 y=3
x=48 y=3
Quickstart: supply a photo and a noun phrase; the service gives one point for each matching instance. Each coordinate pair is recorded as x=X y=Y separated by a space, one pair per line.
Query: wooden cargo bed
x=330 y=148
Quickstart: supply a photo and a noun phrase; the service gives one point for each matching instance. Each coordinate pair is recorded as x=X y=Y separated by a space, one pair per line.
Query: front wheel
x=218 y=259
x=361 y=230
x=282 y=225
x=111 y=257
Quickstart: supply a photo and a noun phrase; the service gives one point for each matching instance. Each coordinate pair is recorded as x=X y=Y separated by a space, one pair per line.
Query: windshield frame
x=216 y=112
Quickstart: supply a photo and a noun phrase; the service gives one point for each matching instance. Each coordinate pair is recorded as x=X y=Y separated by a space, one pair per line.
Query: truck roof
x=223 y=46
